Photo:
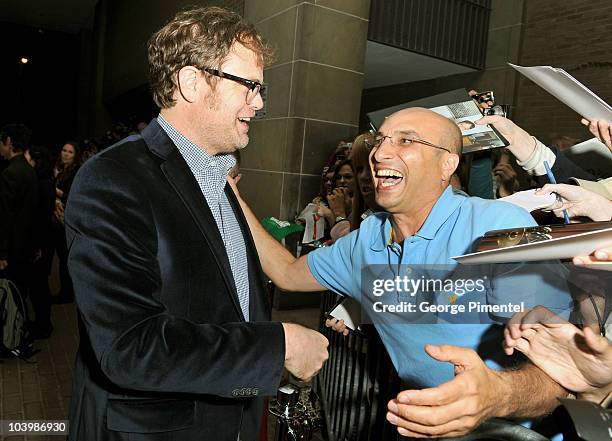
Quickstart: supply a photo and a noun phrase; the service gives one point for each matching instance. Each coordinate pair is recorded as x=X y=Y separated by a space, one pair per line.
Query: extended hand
x=579 y=202
x=453 y=408
x=601 y=129
x=521 y=145
x=337 y=325
x=233 y=183
x=601 y=259
x=305 y=351
x=579 y=360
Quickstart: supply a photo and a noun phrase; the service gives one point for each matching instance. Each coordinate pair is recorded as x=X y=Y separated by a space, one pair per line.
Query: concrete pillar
x=313 y=98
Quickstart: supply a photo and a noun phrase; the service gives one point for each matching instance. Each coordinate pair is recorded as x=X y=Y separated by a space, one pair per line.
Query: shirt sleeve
x=529 y=283
x=333 y=266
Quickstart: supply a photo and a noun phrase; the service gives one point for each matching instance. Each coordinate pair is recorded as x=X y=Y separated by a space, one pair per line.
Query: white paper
x=348 y=310
x=529 y=200
x=568 y=90
x=592 y=145
x=315 y=224
x=592 y=156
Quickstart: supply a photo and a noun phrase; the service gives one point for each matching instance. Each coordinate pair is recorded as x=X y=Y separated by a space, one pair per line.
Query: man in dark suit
x=18 y=205
x=176 y=341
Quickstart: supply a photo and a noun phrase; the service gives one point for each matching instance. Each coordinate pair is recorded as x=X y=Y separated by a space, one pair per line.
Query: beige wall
x=314 y=86
x=313 y=100
x=573 y=35
x=503 y=44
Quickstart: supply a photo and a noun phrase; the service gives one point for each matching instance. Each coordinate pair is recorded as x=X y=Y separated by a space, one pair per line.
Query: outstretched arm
x=578 y=359
x=474 y=395
x=286 y=271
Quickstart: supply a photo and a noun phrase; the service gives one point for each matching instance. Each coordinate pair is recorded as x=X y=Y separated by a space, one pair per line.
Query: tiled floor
x=41 y=389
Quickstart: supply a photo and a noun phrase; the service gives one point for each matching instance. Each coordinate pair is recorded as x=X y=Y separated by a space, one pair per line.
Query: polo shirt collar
x=444 y=207
x=383 y=237
x=447 y=203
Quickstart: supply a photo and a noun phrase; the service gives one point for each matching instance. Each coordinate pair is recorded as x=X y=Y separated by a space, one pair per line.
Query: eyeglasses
x=253 y=86
x=398 y=139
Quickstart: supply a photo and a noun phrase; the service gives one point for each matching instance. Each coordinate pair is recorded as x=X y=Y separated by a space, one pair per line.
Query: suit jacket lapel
x=181 y=179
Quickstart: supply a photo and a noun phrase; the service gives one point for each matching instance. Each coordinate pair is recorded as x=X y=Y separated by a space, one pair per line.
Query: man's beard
x=226 y=141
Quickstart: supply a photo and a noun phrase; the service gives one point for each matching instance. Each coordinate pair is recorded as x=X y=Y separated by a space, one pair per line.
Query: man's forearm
x=286 y=271
x=528 y=392
x=274 y=257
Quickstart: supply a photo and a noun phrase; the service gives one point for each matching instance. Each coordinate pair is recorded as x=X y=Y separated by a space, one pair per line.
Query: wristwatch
x=340 y=218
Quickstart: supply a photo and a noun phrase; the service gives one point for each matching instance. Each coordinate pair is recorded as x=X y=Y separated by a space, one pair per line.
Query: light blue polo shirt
x=452 y=228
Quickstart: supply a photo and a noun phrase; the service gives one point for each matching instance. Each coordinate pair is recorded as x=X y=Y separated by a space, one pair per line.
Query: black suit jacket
x=18 y=205
x=165 y=352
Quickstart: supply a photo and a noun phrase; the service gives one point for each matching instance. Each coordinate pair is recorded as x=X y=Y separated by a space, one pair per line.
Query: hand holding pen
x=578 y=202
x=552 y=180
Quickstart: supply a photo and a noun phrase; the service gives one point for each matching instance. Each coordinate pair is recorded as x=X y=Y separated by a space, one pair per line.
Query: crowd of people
x=166 y=261
x=34 y=189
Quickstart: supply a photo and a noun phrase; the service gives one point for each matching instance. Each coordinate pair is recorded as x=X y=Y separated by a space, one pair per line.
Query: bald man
x=426 y=222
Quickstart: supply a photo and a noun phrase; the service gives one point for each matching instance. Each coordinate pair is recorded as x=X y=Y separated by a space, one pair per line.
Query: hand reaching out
x=601 y=129
x=601 y=259
x=521 y=145
x=579 y=202
x=337 y=325
x=577 y=359
x=453 y=408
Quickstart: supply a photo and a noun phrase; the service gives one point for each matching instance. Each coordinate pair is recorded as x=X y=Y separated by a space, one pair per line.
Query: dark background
x=42 y=93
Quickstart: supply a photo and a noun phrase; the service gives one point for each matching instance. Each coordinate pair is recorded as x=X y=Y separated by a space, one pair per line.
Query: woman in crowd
x=362 y=204
x=65 y=169
x=339 y=201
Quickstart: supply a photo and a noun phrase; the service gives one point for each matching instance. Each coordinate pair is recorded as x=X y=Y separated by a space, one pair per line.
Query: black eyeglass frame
x=379 y=138
x=253 y=86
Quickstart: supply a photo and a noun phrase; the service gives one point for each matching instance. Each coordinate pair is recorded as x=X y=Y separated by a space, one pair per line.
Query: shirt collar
x=447 y=203
x=382 y=238
x=197 y=158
